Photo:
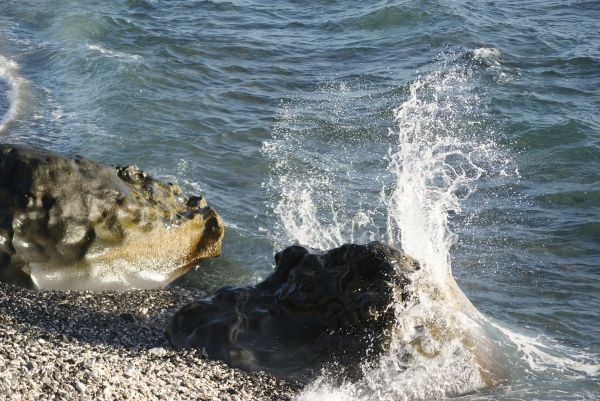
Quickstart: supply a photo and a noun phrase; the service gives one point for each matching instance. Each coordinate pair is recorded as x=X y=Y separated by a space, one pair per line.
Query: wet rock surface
x=314 y=309
x=77 y=224
x=80 y=345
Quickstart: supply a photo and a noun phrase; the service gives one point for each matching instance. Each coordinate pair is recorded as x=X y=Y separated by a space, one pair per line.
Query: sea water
x=465 y=133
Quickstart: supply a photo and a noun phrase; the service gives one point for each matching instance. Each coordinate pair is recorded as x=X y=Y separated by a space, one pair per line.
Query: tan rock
x=73 y=223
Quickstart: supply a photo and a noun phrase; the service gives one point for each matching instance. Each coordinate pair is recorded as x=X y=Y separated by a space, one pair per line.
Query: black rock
x=128 y=317
x=315 y=308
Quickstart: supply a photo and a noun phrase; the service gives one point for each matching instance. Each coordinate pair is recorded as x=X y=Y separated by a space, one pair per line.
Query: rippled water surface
x=467 y=133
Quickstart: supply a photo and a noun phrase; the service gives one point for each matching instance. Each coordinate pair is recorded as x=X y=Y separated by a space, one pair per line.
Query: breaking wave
x=439 y=149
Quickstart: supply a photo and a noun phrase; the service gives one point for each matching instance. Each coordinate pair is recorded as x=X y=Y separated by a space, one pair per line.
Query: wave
x=112 y=53
x=319 y=153
x=17 y=92
x=542 y=353
x=386 y=17
x=495 y=61
x=440 y=150
x=490 y=56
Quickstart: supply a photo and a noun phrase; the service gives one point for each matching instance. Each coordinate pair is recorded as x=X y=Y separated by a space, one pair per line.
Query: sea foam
x=17 y=91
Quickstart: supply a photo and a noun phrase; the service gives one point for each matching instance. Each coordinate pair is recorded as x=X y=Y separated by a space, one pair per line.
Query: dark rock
x=75 y=223
x=313 y=309
x=128 y=317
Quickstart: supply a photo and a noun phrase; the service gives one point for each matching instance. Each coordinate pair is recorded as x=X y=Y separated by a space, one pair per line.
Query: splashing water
x=435 y=159
x=17 y=86
x=441 y=149
x=438 y=345
x=440 y=156
x=318 y=166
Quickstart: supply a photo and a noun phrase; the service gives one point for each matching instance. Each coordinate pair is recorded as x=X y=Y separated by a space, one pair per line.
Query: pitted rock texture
x=331 y=307
x=74 y=223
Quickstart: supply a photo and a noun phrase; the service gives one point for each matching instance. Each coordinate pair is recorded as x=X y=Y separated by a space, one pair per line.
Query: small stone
x=158 y=351
x=46 y=380
x=79 y=386
x=129 y=371
x=128 y=317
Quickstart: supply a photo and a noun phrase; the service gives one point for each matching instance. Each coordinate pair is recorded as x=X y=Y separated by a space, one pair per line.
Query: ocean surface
x=466 y=133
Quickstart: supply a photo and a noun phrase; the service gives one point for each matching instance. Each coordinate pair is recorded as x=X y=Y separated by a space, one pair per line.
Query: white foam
x=491 y=57
x=542 y=353
x=437 y=160
x=439 y=347
x=488 y=55
x=112 y=53
x=300 y=220
x=17 y=92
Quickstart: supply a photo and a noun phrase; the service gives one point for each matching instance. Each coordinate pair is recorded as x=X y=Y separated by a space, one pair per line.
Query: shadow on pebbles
x=111 y=346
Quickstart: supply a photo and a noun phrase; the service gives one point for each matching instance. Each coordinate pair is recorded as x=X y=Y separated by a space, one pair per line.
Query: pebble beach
x=112 y=346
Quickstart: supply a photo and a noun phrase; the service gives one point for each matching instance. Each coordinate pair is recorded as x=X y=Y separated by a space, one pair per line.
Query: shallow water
x=466 y=132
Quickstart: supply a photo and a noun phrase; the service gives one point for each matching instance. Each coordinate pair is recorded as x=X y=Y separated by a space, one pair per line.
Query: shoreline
x=71 y=345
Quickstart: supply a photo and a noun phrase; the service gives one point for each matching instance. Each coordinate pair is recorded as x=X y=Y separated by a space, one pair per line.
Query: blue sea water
x=300 y=121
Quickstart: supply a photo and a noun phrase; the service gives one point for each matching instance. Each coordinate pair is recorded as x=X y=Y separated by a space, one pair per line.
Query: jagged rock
x=78 y=224
x=313 y=309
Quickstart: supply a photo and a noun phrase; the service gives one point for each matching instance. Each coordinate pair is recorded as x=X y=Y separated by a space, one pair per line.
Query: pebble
x=99 y=343
x=158 y=351
x=79 y=386
x=129 y=371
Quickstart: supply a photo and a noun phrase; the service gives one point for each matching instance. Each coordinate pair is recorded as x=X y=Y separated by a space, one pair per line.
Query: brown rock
x=74 y=223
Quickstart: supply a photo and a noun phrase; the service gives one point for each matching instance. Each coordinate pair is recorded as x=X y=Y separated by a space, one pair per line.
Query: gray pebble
x=51 y=338
x=158 y=351
x=80 y=387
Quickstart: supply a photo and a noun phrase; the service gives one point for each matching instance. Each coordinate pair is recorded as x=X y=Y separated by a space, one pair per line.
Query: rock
x=79 y=386
x=73 y=223
x=129 y=371
x=158 y=351
x=128 y=317
x=314 y=308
